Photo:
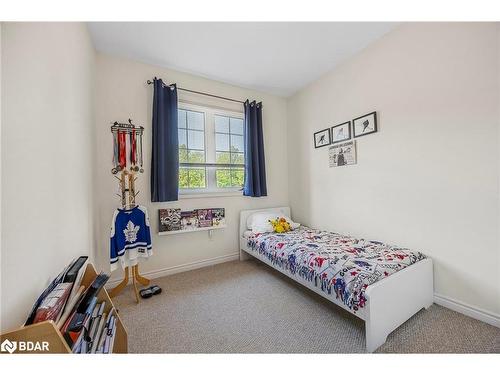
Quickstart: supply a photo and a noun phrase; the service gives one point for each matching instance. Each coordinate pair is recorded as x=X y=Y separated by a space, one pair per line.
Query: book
x=189 y=220
x=218 y=217
x=47 y=290
x=104 y=333
x=112 y=340
x=95 y=321
x=69 y=307
x=78 y=345
x=170 y=219
x=204 y=217
x=74 y=275
x=98 y=335
x=52 y=304
x=109 y=335
x=84 y=346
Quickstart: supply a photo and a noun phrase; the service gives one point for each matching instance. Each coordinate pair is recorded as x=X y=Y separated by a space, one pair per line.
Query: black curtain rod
x=202 y=93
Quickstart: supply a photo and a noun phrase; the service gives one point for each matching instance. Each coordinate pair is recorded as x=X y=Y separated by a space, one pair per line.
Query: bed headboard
x=246 y=213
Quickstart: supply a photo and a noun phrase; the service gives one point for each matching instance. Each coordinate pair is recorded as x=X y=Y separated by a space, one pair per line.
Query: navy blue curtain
x=255 y=163
x=165 y=153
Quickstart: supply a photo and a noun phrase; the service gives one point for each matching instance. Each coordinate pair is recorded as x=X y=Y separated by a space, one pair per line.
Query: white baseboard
x=180 y=268
x=472 y=311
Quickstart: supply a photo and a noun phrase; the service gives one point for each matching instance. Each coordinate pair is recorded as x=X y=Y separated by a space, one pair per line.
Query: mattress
x=335 y=263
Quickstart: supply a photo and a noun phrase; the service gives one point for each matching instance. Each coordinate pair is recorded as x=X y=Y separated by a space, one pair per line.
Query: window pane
x=237 y=158
x=182 y=138
x=183 y=178
x=196 y=156
x=223 y=157
x=236 y=126
x=221 y=124
x=237 y=176
x=183 y=155
x=229 y=149
x=221 y=142
x=196 y=140
x=196 y=178
x=223 y=177
x=236 y=143
x=195 y=120
x=181 y=118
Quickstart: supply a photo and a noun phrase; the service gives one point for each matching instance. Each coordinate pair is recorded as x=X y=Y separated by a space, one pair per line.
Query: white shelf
x=202 y=229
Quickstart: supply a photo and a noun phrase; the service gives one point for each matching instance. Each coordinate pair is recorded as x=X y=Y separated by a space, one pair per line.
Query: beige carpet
x=247 y=307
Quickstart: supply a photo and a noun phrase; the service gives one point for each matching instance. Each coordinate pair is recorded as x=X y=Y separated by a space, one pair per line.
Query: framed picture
x=341 y=132
x=322 y=138
x=342 y=154
x=364 y=125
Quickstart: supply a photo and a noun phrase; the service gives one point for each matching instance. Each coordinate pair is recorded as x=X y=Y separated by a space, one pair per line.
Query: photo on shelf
x=218 y=217
x=204 y=217
x=189 y=220
x=170 y=219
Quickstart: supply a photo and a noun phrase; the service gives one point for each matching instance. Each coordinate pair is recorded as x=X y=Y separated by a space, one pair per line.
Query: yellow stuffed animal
x=280 y=225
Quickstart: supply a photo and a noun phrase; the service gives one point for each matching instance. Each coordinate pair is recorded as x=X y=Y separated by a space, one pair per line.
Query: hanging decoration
x=127 y=136
x=127 y=162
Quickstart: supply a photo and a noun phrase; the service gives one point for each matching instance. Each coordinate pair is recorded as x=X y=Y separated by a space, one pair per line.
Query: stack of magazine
x=75 y=310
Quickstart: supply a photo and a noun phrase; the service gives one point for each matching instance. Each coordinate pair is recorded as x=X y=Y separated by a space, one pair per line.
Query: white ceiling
x=279 y=58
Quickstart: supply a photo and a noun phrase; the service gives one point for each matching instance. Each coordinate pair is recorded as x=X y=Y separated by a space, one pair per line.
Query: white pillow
x=259 y=221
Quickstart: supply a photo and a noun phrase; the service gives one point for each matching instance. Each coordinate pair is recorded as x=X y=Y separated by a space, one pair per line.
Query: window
x=211 y=150
x=192 y=149
x=229 y=150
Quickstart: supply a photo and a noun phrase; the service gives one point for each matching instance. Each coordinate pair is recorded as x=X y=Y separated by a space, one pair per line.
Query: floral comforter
x=337 y=264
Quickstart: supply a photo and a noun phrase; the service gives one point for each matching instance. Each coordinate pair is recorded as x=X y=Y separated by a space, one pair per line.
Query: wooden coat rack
x=127 y=189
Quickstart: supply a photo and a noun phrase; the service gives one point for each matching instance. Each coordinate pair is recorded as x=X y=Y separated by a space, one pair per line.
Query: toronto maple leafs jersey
x=130 y=237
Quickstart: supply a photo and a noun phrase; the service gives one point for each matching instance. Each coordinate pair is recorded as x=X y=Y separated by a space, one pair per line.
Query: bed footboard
x=395 y=299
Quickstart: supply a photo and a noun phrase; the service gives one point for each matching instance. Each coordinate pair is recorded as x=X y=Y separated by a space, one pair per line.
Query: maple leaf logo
x=130 y=232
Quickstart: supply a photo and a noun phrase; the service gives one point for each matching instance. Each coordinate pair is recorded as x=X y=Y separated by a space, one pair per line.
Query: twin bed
x=381 y=284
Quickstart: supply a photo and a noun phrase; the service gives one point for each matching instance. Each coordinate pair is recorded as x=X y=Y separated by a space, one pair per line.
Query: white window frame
x=211 y=188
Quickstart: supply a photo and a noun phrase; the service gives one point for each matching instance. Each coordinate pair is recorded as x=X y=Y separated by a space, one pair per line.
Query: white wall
x=46 y=150
x=429 y=178
x=122 y=93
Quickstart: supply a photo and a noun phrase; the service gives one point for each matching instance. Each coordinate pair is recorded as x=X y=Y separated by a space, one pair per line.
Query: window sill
x=211 y=194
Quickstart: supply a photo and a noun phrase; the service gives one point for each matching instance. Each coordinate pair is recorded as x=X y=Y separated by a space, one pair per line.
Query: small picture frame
x=342 y=154
x=341 y=132
x=365 y=125
x=322 y=138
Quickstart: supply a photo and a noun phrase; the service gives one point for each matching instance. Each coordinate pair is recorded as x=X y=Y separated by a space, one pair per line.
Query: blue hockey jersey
x=130 y=237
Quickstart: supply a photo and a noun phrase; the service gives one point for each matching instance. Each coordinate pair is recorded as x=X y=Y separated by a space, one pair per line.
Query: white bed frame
x=390 y=302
